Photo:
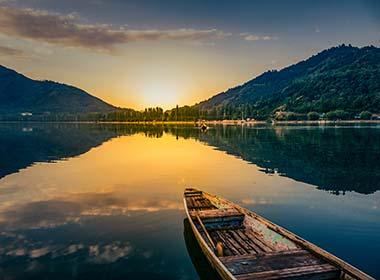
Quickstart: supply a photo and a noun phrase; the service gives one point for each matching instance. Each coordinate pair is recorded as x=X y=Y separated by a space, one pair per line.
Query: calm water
x=104 y=201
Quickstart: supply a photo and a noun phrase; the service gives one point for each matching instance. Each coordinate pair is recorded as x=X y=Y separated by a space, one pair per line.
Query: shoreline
x=208 y=122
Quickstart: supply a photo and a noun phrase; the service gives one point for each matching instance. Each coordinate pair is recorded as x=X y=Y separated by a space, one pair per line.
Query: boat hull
x=210 y=255
x=206 y=212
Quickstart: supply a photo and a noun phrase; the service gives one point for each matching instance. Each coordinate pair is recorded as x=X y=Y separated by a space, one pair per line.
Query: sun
x=161 y=93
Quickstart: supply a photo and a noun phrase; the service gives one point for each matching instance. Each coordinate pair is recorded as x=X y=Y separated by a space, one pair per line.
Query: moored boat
x=242 y=245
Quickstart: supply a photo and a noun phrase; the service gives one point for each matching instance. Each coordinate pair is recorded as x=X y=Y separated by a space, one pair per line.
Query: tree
x=313 y=116
x=337 y=115
x=365 y=115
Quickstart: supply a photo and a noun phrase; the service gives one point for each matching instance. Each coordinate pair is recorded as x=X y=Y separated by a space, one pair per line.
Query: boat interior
x=247 y=247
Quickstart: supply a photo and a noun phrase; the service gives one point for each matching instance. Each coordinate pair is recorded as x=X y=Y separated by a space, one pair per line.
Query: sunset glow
x=161 y=54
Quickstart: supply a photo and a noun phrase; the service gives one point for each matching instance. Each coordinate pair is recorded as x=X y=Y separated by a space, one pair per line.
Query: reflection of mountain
x=21 y=145
x=334 y=159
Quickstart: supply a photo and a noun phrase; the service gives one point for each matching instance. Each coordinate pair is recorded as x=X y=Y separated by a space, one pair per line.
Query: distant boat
x=203 y=127
x=242 y=245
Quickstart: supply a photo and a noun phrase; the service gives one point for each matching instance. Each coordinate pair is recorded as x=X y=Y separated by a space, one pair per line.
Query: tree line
x=191 y=113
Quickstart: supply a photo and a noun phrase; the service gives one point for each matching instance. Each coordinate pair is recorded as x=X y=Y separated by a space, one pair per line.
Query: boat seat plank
x=313 y=272
x=272 y=262
x=199 y=203
x=220 y=213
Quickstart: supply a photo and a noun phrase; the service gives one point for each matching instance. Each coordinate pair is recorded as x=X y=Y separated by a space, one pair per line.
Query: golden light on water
x=134 y=173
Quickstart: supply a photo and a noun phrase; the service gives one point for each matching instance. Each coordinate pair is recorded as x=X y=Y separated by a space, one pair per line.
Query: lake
x=104 y=201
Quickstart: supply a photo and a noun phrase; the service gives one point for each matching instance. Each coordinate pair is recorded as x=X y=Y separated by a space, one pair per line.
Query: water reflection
x=104 y=201
x=337 y=159
x=198 y=259
x=98 y=248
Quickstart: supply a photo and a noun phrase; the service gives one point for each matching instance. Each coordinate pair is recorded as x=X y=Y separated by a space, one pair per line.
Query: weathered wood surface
x=257 y=249
x=270 y=262
x=199 y=202
x=239 y=242
x=206 y=232
x=314 y=272
x=219 y=213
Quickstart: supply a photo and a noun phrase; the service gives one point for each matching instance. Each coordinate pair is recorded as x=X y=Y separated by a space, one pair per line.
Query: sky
x=147 y=53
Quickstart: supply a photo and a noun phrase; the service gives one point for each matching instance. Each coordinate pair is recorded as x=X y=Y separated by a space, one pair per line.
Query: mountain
x=343 y=78
x=22 y=94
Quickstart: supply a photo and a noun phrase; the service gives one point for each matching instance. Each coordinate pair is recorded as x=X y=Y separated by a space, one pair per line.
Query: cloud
x=66 y=31
x=252 y=37
x=8 y=51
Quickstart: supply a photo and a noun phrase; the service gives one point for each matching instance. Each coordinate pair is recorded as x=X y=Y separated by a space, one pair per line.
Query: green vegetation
x=365 y=115
x=337 y=115
x=313 y=116
x=338 y=83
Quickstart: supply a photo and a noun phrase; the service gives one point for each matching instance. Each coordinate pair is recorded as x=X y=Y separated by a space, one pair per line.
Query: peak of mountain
x=19 y=93
x=340 y=78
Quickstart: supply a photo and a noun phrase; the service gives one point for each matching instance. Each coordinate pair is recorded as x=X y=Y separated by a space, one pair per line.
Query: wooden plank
x=228 y=244
x=314 y=272
x=216 y=238
x=220 y=213
x=258 y=241
x=193 y=193
x=250 y=242
x=199 y=203
x=242 y=242
x=274 y=253
x=259 y=263
x=236 y=244
x=206 y=233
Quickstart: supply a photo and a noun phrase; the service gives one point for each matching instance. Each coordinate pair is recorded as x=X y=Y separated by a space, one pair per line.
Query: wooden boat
x=242 y=245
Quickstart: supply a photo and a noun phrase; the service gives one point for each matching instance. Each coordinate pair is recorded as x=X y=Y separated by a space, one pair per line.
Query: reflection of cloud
x=17 y=246
x=17 y=252
x=11 y=188
x=52 y=213
x=64 y=30
x=40 y=214
x=36 y=253
x=73 y=248
x=109 y=253
x=251 y=201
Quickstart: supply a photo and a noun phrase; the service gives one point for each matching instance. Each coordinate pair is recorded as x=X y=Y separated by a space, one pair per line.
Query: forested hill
x=339 y=83
x=342 y=81
x=22 y=94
